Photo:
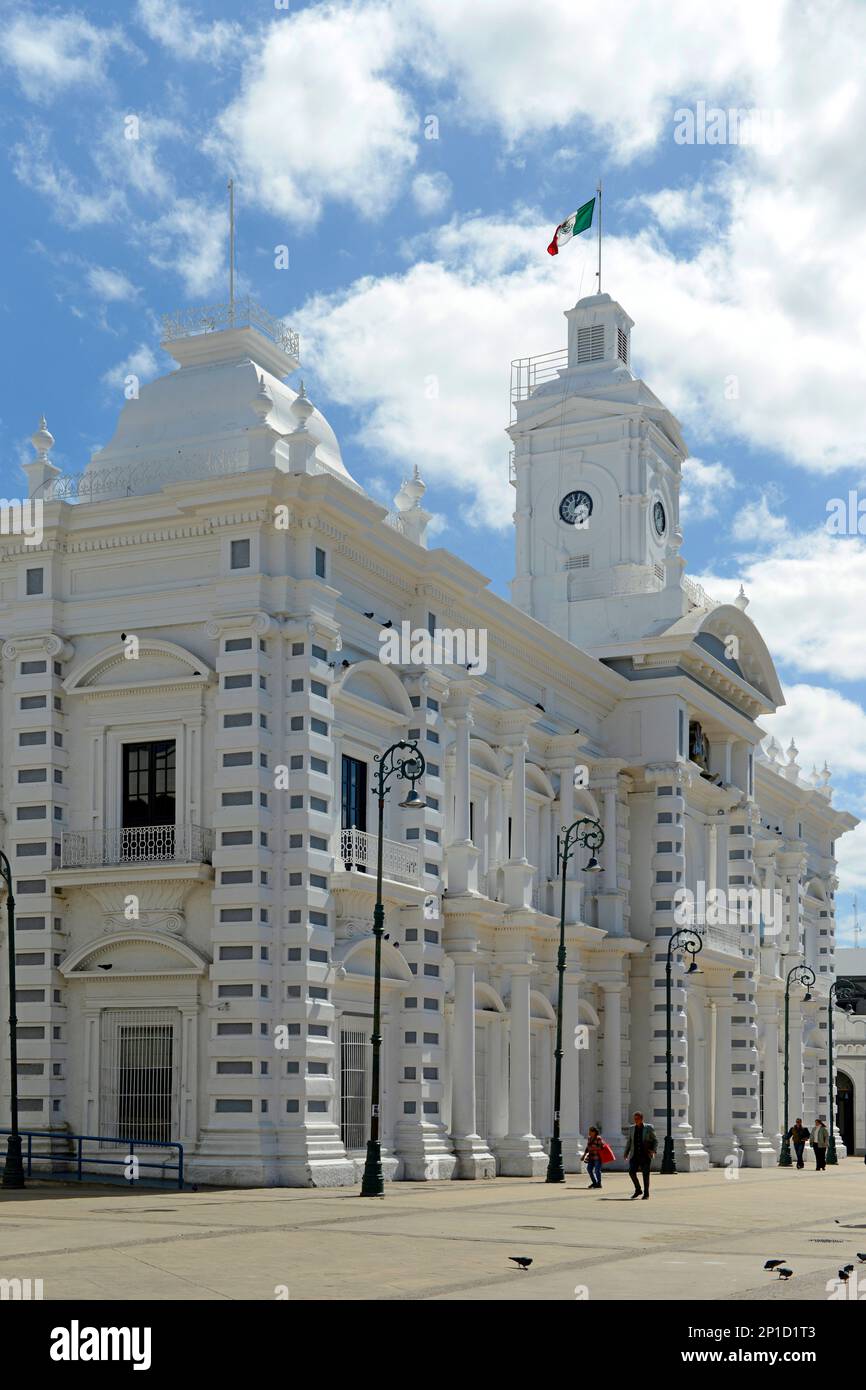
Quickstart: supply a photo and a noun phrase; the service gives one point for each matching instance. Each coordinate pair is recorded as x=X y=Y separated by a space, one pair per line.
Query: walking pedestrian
x=592 y=1156
x=798 y=1134
x=820 y=1139
x=640 y=1150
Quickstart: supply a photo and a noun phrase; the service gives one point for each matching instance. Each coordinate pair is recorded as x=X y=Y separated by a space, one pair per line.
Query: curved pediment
x=360 y=959
x=137 y=663
x=133 y=954
x=372 y=683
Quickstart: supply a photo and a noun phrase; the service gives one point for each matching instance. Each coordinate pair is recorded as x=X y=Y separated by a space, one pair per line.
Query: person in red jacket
x=592 y=1156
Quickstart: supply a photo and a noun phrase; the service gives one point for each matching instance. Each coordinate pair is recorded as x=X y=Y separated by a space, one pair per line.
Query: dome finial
x=741 y=601
x=42 y=440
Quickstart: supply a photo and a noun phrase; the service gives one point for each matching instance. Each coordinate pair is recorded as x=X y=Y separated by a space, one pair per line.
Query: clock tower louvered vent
x=622 y=345
x=590 y=343
x=577 y=562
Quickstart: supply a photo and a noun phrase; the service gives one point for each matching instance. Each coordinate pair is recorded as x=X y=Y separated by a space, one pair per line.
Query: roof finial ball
x=42 y=441
x=741 y=601
x=41 y=471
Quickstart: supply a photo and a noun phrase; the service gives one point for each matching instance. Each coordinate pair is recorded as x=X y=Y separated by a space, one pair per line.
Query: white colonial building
x=192 y=705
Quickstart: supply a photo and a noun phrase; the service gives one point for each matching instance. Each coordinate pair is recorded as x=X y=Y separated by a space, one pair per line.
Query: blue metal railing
x=75 y=1163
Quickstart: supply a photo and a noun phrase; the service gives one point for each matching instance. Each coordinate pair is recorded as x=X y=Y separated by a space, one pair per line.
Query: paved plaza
x=702 y=1235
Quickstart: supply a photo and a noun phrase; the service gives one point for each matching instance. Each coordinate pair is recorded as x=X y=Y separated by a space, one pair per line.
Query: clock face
x=660 y=521
x=576 y=508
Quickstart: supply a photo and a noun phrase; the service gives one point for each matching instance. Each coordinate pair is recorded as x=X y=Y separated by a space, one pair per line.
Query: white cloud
x=318 y=118
x=431 y=192
x=108 y=284
x=424 y=355
x=35 y=167
x=51 y=53
x=806 y=596
x=141 y=363
x=824 y=725
x=756 y=522
x=620 y=76
x=702 y=488
x=181 y=31
x=190 y=241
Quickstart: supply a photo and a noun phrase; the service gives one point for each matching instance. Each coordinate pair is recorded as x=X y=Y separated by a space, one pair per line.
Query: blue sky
x=418 y=270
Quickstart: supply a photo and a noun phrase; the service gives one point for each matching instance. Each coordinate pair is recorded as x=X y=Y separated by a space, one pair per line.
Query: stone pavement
x=702 y=1235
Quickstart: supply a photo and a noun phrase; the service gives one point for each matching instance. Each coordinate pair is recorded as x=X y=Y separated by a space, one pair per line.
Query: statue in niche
x=699 y=746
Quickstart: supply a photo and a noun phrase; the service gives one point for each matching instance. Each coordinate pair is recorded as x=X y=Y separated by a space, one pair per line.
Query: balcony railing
x=357 y=850
x=724 y=937
x=214 y=318
x=143 y=844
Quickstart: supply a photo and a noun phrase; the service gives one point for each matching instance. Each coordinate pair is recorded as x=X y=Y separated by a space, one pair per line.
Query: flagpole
x=231 y=188
x=599 y=236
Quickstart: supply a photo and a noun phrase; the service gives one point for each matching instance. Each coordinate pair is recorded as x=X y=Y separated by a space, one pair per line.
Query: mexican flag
x=572 y=226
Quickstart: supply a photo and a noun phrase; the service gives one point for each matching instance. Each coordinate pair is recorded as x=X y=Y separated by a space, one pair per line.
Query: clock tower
x=597 y=466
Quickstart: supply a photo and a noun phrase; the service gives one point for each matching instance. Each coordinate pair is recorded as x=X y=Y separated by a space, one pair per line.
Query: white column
x=712 y=855
x=462 y=727
x=518 y=801
x=574 y=1057
x=722 y=1142
x=519 y=1102
x=772 y=1087
x=474 y=1159
x=461 y=856
x=463 y=1061
x=610 y=884
x=520 y=1153
x=611 y=1122
x=795 y=1074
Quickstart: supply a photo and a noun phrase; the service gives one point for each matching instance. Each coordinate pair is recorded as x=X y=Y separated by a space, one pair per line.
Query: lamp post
x=13 y=1171
x=801 y=975
x=405 y=762
x=685 y=939
x=845 y=992
x=589 y=834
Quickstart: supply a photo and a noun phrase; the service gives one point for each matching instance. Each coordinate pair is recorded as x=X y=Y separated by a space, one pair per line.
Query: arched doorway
x=845 y=1109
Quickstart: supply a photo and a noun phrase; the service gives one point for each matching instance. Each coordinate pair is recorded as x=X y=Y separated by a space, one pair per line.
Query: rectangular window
x=238 y=644
x=354 y=794
x=148 y=784
x=320 y=563
x=35 y=581
x=240 y=555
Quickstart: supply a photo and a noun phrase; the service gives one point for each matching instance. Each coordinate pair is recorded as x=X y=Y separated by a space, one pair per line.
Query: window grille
x=356 y=1056
x=577 y=562
x=138 y=1093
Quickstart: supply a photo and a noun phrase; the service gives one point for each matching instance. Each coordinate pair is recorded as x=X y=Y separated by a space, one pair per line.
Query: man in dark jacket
x=640 y=1150
x=798 y=1134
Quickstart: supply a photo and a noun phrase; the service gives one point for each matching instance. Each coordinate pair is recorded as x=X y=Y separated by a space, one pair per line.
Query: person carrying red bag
x=597 y=1152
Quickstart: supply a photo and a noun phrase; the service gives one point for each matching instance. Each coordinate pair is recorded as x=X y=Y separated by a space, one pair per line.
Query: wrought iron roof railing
x=97 y=484
x=242 y=313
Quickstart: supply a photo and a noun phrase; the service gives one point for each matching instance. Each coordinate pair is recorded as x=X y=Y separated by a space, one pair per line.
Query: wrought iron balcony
x=144 y=844
x=357 y=850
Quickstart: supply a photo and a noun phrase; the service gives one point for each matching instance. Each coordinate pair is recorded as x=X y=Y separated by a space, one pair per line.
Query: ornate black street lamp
x=801 y=975
x=13 y=1171
x=589 y=834
x=846 y=992
x=685 y=939
x=405 y=762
